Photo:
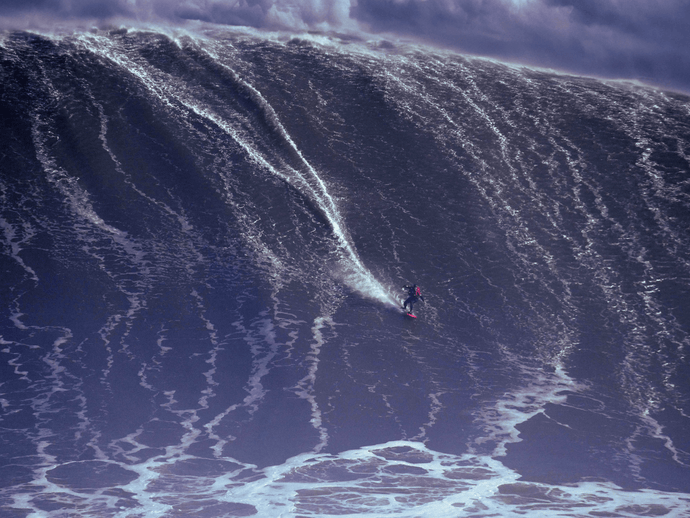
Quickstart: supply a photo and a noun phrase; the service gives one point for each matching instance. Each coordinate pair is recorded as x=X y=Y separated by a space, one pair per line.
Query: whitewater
x=204 y=239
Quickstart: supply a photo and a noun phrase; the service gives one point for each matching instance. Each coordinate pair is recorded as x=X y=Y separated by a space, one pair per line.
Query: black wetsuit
x=414 y=294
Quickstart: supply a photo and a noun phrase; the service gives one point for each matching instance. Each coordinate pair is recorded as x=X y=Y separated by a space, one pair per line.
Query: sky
x=645 y=40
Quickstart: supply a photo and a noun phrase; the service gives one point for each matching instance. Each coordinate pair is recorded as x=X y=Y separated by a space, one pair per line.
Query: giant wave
x=204 y=239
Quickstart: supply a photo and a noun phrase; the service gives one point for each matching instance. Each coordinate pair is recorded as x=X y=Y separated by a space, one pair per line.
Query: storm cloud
x=634 y=39
x=646 y=40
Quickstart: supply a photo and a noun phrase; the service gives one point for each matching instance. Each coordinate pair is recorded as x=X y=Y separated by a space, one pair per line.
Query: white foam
x=407 y=479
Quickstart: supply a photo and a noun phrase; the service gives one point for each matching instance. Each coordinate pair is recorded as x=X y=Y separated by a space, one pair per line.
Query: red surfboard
x=408 y=313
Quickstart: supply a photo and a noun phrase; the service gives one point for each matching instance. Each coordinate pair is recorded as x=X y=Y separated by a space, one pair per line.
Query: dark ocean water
x=203 y=244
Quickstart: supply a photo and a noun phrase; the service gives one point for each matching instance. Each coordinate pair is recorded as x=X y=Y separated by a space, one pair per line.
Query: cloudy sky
x=648 y=40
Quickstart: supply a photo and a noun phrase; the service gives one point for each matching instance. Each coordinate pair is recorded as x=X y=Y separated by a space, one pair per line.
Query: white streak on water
x=305 y=387
x=13 y=241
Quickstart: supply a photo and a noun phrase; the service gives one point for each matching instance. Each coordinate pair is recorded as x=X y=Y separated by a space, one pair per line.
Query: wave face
x=204 y=240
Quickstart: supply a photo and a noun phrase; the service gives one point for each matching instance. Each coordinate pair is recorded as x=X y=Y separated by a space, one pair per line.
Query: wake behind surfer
x=414 y=293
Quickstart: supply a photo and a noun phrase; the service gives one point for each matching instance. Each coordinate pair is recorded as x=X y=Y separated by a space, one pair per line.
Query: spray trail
x=357 y=275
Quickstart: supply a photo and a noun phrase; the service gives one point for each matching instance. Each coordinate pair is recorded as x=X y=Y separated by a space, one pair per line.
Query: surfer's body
x=414 y=293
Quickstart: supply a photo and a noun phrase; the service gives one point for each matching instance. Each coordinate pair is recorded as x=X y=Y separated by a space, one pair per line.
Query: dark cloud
x=10 y=6
x=634 y=39
x=65 y=9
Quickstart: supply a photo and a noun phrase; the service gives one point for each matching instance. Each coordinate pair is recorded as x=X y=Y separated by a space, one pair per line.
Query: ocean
x=204 y=242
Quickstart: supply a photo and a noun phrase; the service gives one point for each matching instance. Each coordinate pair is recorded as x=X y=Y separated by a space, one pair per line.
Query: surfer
x=414 y=293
